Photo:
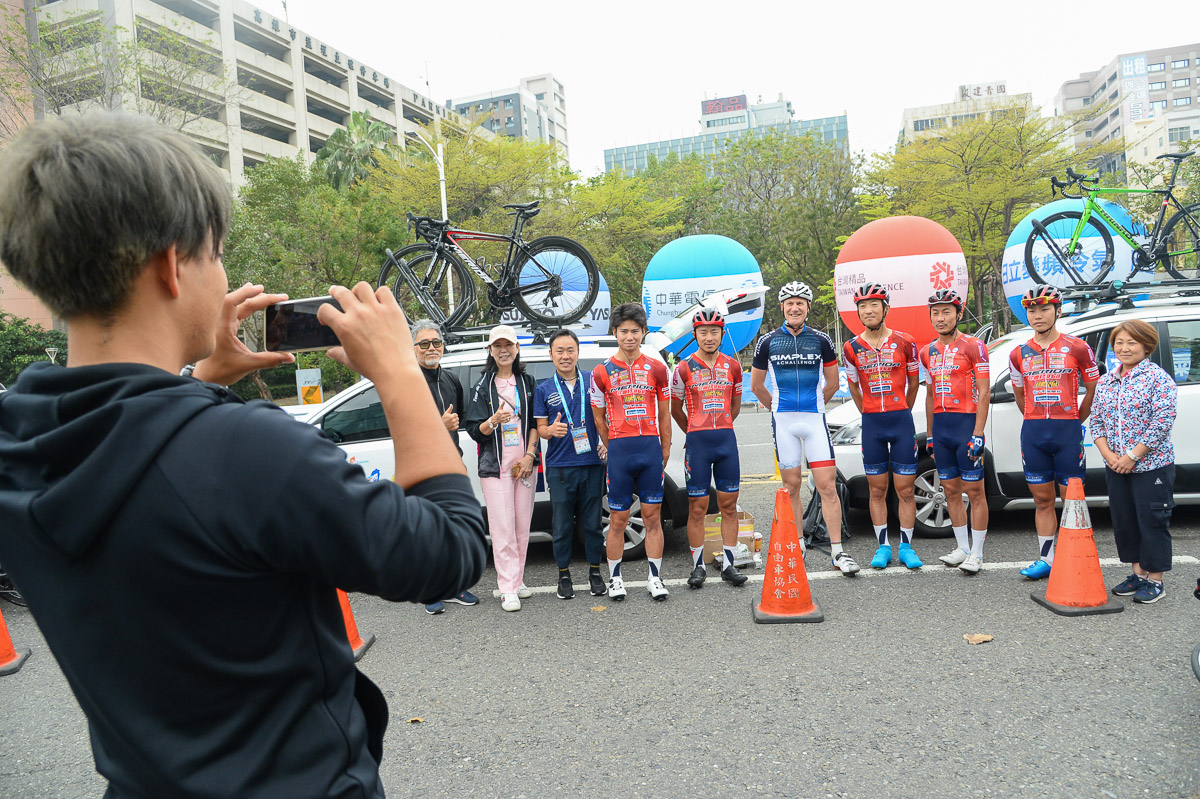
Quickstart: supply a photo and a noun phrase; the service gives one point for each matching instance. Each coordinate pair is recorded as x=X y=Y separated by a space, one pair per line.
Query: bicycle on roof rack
x=551 y=280
x=1072 y=247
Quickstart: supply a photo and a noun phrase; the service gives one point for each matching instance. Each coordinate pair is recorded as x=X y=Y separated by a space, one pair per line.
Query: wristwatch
x=1133 y=457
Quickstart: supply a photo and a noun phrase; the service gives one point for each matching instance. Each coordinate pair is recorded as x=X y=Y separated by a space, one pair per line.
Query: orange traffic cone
x=786 y=597
x=357 y=643
x=1076 y=585
x=11 y=660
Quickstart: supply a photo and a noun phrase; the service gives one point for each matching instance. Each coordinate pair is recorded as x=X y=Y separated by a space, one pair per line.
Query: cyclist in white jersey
x=794 y=374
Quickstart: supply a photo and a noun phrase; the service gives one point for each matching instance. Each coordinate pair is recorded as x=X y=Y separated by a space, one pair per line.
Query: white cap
x=502 y=333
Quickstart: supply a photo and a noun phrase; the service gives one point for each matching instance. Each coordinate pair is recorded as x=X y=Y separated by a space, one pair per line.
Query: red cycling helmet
x=871 y=291
x=946 y=297
x=708 y=316
x=1041 y=295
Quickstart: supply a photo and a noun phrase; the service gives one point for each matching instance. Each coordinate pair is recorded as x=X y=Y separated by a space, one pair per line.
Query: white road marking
x=891 y=571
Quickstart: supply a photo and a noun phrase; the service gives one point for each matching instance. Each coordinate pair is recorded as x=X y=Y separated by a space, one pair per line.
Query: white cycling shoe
x=616 y=589
x=657 y=590
x=845 y=564
x=971 y=565
x=956 y=557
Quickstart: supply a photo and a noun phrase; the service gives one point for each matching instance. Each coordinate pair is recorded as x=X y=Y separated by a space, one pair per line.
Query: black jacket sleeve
x=478 y=408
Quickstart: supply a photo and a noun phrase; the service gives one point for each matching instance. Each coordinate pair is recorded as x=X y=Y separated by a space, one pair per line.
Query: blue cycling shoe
x=908 y=557
x=1036 y=570
x=883 y=556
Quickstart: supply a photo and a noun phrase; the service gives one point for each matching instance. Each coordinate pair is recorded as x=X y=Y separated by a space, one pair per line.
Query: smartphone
x=292 y=326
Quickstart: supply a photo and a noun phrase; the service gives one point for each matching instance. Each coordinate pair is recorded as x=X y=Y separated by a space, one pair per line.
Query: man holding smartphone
x=180 y=549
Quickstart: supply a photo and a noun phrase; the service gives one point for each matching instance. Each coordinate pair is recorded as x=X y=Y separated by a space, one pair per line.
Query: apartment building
x=534 y=110
x=972 y=101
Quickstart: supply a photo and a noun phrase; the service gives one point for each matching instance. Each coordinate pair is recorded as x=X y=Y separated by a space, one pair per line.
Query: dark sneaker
x=1149 y=592
x=1128 y=586
x=465 y=598
x=730 y=574
x=698 y=576
x=596 y=583
x=434 y=608
x=9 y=591
x=565 y=589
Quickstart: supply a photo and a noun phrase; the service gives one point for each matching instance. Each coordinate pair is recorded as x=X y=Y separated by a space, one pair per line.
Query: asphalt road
x=690 y=698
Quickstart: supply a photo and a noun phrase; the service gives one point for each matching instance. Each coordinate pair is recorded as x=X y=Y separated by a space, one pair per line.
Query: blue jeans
x=575 y=495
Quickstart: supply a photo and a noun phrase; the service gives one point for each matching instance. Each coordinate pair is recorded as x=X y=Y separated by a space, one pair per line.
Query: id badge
x=512 y=433
x=582 y=445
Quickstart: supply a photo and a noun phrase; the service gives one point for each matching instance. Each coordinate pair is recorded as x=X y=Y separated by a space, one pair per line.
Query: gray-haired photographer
x=180 y=549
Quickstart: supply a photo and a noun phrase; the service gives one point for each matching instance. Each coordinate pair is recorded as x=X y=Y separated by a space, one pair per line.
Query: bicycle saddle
x=1176 y=156
x=523 y=206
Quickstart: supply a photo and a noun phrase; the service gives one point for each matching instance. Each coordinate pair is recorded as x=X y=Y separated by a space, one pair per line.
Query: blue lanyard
x=564 y=395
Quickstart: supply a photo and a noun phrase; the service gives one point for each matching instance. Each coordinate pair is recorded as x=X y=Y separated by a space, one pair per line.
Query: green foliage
x=350 y=152
x=23 y=343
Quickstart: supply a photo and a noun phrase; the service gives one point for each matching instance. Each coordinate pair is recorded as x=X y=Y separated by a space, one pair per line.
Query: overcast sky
x=637 y=71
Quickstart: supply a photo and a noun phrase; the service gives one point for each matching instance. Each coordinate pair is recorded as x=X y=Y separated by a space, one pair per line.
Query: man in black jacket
x=429 y=346
x=181 y=549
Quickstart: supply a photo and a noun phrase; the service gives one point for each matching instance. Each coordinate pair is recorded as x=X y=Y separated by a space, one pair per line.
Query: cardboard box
x=712 y=533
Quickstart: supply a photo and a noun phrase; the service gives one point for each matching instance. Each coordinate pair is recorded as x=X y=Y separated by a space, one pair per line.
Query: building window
x=1157 y=86
x=1177 y=134
x=508 y=120
x=1182 y=101
x=1113 y=96
x=1156 y=67
x=1180 y=83
x=1157 y=104
x=1180 y=64
x=508 y=103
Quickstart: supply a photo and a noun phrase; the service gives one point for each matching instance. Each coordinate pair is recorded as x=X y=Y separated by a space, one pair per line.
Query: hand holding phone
x=293 y=326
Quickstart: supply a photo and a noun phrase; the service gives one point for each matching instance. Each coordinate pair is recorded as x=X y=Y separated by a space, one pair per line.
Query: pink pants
x=510 y=510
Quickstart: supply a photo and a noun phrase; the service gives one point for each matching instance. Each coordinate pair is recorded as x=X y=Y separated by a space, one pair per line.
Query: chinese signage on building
x=976 y=91
x=723 y=105
x=1135 y=87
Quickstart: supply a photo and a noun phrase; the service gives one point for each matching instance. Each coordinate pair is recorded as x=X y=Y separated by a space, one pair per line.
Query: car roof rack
x=1085 y=297
x=538 y=330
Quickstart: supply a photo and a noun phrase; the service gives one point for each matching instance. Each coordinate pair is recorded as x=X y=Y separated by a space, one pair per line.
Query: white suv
x=354 y=420
x=1177 y=320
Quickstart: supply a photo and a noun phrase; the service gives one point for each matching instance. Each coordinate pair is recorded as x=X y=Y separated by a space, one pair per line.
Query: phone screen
x=292 y=326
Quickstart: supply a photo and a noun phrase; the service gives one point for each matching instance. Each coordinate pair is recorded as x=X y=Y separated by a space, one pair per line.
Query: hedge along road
x=689 y=697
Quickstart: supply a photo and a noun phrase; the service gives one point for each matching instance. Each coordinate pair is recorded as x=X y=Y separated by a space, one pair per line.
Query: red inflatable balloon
x=911 y=256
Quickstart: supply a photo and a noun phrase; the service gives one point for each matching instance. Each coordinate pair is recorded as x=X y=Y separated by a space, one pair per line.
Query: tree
x=23 y=343
x=978 y=179
x=349 y=152
x=58 y=63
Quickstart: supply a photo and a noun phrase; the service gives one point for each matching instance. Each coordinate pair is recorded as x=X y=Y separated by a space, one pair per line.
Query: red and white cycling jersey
x=630 y=393
x=882 y=374
x=1051 y=377
x=956 y=373
x=708 y=393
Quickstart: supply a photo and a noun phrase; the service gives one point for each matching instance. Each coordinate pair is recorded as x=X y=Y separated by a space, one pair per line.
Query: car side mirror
x=1002 y=391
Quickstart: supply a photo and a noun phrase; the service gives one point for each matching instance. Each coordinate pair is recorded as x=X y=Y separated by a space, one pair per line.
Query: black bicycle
x=552 y=280
x=1073 y=248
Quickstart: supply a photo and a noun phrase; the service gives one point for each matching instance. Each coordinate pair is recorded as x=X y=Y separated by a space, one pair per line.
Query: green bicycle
x=1073 y=248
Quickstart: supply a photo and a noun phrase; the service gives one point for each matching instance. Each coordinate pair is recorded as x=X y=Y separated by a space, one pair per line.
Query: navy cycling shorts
x=889 y=437
x=634 y=465
x=951 y=435
x=1052 y=449
x=711 y=456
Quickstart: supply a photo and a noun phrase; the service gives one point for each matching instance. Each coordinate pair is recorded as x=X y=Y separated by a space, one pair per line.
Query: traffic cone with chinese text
x=357 y=643
x=11 y=660
x=786 y=597
x=1076 y=585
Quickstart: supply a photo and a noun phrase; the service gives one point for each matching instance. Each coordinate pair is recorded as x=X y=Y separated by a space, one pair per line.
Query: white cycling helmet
x=795 y=289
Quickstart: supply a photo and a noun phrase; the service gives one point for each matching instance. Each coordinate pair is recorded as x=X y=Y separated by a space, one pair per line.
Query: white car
x=354 y=420
x=1177 y=320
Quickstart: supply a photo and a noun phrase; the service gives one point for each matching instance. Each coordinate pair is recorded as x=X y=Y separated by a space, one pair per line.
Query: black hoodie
x=180 y=550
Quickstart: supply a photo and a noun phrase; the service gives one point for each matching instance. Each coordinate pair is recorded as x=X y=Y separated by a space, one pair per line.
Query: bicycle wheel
x=1182 y=237
x=435 y=286
x=557 y=281
x=1047 y=260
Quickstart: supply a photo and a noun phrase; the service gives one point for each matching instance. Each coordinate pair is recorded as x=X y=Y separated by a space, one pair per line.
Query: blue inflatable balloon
x=1016 y=278
x=692 y=267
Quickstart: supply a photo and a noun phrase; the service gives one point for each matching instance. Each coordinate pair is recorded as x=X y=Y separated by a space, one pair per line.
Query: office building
x=288 y=90
x=726 y=119
x=972 y=101
x=534 y=110
x=1133 y=88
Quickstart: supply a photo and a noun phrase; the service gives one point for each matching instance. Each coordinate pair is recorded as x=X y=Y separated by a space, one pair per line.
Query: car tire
x=933 y=517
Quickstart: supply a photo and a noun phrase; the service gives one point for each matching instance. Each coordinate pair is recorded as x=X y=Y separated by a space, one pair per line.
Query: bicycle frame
x=452 y=237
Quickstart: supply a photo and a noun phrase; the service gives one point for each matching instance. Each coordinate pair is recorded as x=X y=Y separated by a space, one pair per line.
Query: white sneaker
x=956 y=557
x=510 y=602
x=523 y=592
x=971 y=565
x=844 y=563
x=657 y=590
x=616 y=589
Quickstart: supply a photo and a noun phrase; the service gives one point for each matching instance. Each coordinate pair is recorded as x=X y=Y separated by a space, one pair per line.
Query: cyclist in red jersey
x=1047 y=372
x=706 y=396
x=883 y=378
x=956 y=409
x=631 y=404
